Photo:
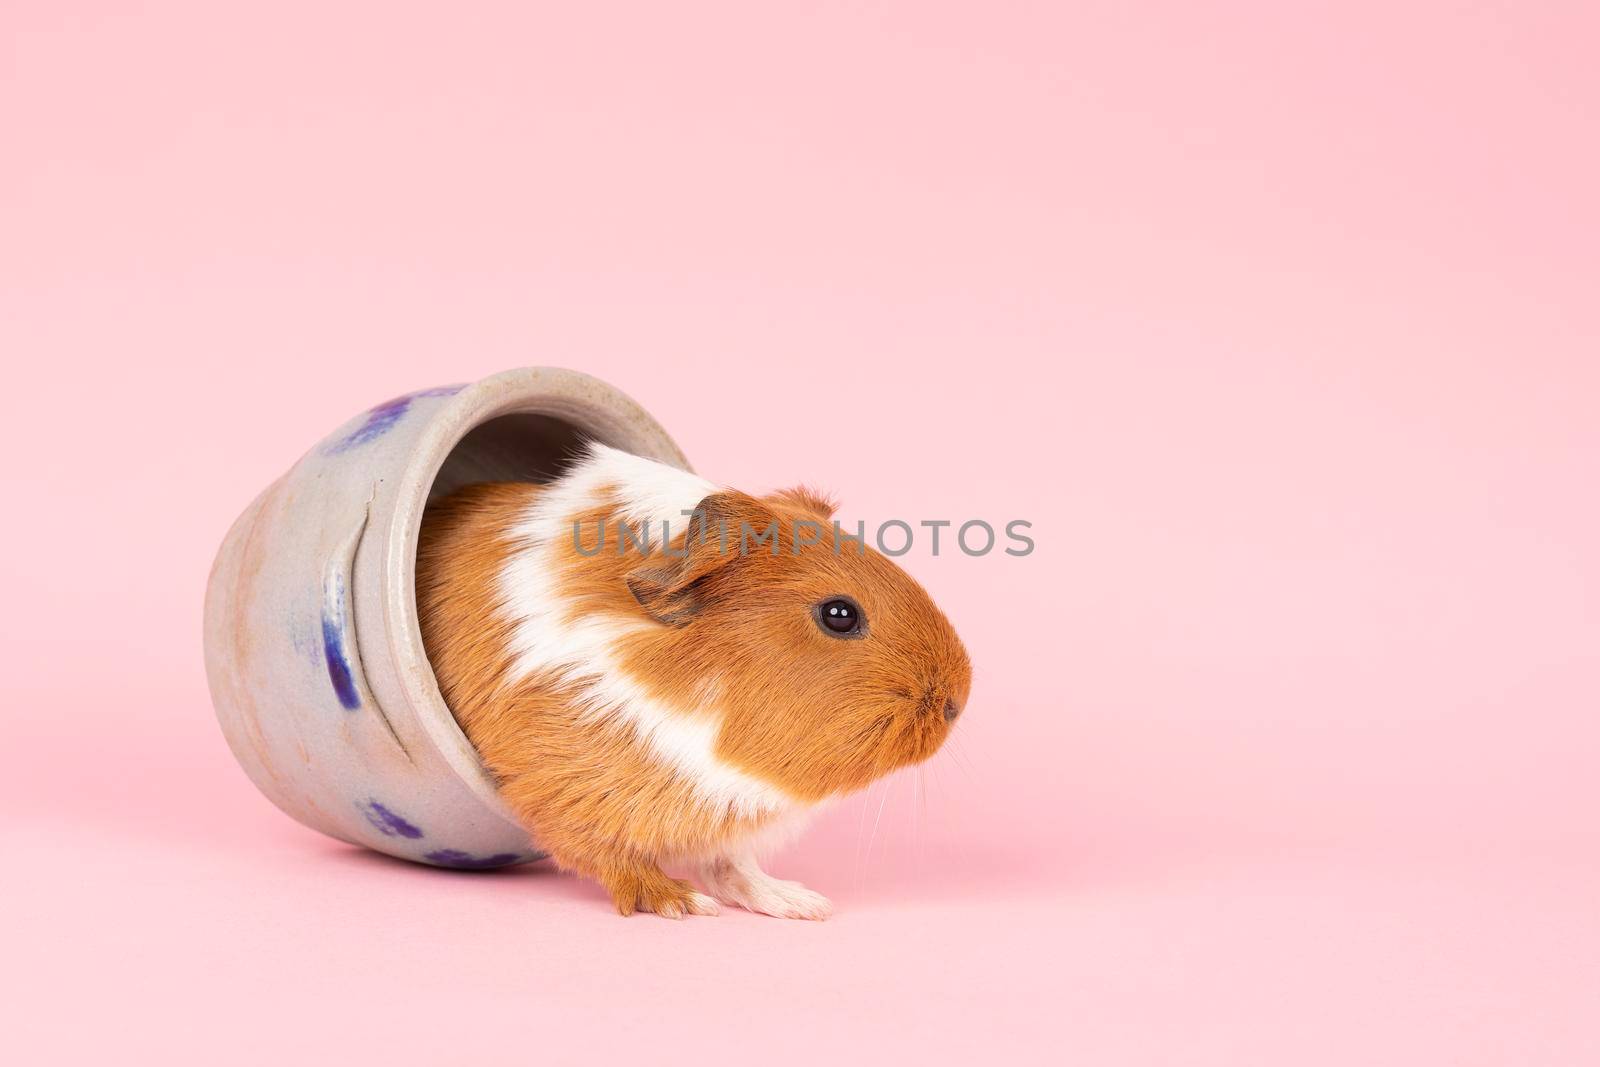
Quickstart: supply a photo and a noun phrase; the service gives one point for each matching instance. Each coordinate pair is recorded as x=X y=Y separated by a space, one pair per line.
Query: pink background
x=1279 y=325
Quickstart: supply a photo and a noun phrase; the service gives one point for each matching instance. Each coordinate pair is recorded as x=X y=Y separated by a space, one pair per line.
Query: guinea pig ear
x=674 y=585
x=809 y=499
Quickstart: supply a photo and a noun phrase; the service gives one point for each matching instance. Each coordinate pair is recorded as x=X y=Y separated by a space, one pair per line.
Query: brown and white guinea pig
x=687 y=705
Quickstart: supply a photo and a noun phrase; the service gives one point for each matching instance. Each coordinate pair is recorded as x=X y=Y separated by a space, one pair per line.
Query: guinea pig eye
x=840 y=617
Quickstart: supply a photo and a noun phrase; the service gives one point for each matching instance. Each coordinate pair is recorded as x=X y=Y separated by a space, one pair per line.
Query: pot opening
x=526 y=425
x=511 y=448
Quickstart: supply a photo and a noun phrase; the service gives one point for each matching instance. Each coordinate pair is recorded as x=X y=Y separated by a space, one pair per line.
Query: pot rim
x=596 y=408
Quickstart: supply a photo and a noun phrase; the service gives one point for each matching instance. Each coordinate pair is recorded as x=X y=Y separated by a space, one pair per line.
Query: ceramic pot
x=313 y=650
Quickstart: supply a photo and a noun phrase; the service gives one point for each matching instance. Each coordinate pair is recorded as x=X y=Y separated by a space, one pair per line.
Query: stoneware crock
x=312 y=646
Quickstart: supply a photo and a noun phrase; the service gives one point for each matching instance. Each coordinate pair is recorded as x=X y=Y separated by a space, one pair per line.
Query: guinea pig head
x=831 y=665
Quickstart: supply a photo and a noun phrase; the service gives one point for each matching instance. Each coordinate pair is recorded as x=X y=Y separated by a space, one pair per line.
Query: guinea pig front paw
x=648 y=889
x=741 y=882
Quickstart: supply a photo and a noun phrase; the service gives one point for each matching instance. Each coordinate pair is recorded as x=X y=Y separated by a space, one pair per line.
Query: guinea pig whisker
x=959 y=758
x=919 y=814
x=861 y=833
x=887 y=785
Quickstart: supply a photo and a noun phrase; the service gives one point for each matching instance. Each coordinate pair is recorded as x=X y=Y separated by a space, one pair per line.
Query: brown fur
x=809 y=713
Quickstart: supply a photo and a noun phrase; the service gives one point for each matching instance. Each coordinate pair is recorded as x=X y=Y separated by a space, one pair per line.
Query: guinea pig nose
x=950 y=710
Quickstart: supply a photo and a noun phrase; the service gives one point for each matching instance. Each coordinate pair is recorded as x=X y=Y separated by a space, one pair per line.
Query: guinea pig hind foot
x=644 y=887
x=739 y=880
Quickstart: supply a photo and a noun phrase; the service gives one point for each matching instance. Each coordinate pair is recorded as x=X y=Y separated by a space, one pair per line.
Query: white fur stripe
x=581 y=650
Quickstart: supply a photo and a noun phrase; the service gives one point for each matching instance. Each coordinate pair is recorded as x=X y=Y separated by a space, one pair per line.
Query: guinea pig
x=686 y=701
